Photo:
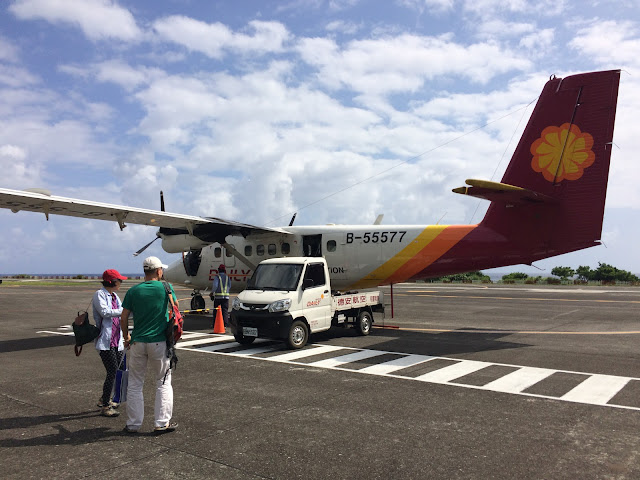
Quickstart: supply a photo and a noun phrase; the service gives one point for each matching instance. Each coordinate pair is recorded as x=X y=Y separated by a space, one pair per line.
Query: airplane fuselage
x=362 y=256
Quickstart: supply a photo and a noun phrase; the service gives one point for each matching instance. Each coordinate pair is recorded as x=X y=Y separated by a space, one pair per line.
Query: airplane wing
x=207 y=228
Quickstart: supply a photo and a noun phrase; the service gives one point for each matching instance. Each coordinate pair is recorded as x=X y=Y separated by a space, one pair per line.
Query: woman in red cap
x=107 y=309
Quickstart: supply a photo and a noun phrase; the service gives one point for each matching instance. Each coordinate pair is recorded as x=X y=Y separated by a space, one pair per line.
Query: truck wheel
x=242 y=340
x=363 y=325
x=197 y=302
x=298 y=335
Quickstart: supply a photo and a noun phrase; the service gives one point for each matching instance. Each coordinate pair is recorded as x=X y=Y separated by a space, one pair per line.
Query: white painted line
x=452 y=372
x=213 y=348
x=307 y=352
x=69 y=334
x=200 y=341
x=342 y=359
x=252 y=351
x=188 y=335
x=521 y=379
x=597 y=389
x=397 y=364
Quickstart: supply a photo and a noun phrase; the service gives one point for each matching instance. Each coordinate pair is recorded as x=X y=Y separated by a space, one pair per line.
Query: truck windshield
x=275 y=276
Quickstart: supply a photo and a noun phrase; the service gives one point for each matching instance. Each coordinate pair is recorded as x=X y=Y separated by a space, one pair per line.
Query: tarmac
x=464 y=382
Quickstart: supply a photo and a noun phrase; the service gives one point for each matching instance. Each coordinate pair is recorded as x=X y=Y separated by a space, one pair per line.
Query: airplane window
x=227 y=252
x=286 y=248
x=331 y=246
x=247 y=250
x=272 y=249
x=217 y=252
x=260 y=250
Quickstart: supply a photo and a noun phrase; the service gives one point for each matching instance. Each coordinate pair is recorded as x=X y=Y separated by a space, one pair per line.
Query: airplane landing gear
x=197 y=301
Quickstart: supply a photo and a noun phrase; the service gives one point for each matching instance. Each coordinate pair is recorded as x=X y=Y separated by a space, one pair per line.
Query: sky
x=338 y=110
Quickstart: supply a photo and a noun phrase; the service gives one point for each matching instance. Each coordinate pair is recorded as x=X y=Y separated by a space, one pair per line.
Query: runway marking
x=524 y=332
x=538 y=299
x=451 y=372
x=595 y=389
x=516 y=382
x=598 y=389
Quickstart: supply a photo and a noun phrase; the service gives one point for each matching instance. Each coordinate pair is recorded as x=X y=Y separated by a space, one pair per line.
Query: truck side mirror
x=307 y=283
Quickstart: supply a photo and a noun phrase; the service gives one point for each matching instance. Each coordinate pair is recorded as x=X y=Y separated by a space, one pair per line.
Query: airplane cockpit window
x=331 y=246
x=248 y=250
x=217 y=252
x=286 y=248
x=315 y=272
x=260 y=250
x=272 y=249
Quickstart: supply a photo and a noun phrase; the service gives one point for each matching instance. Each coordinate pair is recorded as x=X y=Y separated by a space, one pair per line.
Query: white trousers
x=155 y=354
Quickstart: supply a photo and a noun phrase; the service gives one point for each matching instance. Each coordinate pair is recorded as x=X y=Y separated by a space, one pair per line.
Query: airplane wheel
x=364 y=323
x=242 y=340
x=197 y=302
x=298 y=335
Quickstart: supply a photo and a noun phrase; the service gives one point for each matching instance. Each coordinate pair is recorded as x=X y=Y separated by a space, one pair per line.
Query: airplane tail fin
x=551 y=198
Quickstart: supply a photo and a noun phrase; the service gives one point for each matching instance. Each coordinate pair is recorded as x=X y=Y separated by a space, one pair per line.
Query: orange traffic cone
x=218 y=326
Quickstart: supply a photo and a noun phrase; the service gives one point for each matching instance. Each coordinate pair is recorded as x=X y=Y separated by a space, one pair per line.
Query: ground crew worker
x=220 y=295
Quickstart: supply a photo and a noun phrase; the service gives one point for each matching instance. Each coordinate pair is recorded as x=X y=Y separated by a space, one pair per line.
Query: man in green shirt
x=148 y=301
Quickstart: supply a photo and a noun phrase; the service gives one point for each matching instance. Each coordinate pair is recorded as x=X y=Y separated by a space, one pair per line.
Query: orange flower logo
x=562 y=153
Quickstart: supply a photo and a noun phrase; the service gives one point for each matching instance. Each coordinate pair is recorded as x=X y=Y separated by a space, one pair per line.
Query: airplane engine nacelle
x=181 y=243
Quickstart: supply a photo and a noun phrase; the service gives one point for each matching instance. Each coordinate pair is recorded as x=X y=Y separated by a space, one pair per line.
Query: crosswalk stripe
x=307 y=352
x=451 y=372
x=521 y=379
x=252 y=351
x=598 y=389
x=342 y=359
x=394 y=365
x=200 y=341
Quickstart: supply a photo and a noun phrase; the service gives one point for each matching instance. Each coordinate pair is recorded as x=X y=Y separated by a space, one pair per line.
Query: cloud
x=429 y=5
x=115 y=71
x=8 y=51
x=403 y=63
x=213 y=39
x=609 y=42
x=98 y=19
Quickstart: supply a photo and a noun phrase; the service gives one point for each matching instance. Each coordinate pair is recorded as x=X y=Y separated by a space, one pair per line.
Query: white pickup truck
x=289 y=298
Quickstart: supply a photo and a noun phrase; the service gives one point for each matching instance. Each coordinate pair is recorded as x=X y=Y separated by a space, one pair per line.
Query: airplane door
x=312 y=245
x=316 y=298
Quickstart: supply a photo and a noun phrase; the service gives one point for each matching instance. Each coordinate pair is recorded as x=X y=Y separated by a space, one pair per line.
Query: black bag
x=84 y=331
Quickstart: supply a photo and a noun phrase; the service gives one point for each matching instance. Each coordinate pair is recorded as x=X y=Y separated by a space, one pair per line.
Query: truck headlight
x=236 y=303
x=280 y=305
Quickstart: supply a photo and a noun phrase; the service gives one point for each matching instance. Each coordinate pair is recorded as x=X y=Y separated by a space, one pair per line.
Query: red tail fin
x=561 y=167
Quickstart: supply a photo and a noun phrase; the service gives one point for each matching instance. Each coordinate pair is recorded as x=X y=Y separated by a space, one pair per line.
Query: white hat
x=152 y=263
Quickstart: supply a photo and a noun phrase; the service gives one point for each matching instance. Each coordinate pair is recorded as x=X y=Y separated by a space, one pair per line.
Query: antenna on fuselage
x=161 y=201
x=293 y=218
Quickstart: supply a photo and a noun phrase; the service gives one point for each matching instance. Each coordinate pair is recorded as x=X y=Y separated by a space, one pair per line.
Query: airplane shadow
x=470 y=340
x=35 y=343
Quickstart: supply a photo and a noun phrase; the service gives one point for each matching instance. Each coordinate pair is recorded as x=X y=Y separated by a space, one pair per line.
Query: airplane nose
x=175 y=273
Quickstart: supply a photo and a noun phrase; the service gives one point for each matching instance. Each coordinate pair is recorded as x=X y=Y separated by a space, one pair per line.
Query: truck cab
x=289 y=298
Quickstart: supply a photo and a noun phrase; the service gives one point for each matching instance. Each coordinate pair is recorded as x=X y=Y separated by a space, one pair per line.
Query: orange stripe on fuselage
x=433 y=242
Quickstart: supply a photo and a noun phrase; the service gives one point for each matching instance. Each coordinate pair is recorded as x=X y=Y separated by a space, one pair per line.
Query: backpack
x=176 y=321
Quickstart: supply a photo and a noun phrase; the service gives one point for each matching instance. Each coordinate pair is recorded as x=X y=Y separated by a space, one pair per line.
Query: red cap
x=111 y=275
x=222 y=268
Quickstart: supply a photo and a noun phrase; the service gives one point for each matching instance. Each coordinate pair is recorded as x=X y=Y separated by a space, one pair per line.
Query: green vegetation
x=604 y=274
x=468 y=277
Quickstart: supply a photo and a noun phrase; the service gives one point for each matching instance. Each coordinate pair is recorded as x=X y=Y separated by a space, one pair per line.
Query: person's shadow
x=64 y=436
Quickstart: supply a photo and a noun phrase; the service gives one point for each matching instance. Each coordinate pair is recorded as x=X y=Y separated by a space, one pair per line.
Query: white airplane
x=550 y=201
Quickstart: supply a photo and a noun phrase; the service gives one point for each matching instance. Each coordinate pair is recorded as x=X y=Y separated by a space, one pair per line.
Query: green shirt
x=148 y=302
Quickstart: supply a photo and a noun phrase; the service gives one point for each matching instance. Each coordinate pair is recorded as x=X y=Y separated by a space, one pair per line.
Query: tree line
x=605 y=273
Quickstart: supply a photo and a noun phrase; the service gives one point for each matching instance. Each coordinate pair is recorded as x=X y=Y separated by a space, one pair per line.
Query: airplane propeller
x=157 y=235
